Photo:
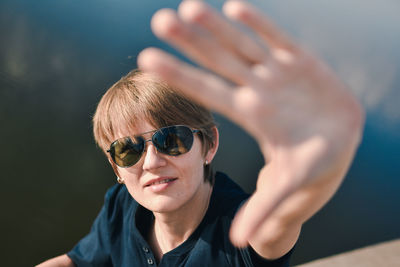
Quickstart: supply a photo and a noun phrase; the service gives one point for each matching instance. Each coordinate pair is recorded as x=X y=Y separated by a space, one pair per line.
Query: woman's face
x=163 y=183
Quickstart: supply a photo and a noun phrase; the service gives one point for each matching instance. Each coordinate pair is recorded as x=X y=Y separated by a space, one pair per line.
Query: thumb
x=271 y=192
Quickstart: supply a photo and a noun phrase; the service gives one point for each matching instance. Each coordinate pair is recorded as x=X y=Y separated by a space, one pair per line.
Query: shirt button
x=145 y=249
x=150 y=261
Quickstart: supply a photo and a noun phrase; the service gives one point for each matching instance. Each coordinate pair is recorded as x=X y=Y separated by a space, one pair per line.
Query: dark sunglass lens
x=126 y=152
x=173 y=140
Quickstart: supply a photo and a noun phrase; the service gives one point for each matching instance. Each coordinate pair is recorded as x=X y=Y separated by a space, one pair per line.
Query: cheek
x=195 y=161
x=193 y=169
x=130 y=177
x=131 y=181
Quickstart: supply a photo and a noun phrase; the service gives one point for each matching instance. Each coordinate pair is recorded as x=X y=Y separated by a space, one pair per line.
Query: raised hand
x=306 y=123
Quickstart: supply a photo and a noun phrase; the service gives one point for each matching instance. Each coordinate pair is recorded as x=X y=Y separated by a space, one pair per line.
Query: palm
x=290 y=102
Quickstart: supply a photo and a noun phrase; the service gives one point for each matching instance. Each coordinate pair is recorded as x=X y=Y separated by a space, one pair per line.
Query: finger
x=205 y=88
x=265 y=28
x=259 y=207
x=200 y=46
x=230 y=37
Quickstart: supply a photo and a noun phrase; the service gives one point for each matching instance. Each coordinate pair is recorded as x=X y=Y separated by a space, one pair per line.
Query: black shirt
x=117 y=235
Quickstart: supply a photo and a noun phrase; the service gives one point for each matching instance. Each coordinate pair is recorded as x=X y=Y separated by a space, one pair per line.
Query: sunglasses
x=172 y=140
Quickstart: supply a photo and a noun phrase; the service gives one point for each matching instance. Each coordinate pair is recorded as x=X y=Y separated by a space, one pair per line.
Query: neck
x=173 y=228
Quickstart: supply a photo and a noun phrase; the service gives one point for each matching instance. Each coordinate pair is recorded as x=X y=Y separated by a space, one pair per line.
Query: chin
x=163 y=204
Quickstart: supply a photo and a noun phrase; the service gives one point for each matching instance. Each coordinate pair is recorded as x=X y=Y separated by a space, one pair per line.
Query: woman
x=161 y=149
x=170 y=208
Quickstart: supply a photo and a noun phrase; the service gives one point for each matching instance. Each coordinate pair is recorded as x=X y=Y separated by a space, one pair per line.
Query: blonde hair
x=139 y=96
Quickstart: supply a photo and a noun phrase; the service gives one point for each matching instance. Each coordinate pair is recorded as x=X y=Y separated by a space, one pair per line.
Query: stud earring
x=206 y=163
x=120 y=180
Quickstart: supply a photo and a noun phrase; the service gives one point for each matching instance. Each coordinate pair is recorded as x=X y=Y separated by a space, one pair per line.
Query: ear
x=213 y=150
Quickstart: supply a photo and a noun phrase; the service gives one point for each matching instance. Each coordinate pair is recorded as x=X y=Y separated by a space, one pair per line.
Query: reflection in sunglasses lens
x=127 y=151
x=173 y=141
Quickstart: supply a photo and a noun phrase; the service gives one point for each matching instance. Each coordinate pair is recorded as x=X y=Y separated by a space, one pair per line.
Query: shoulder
x=227 y=195
x=117 y=202
x=227 y=199
x=116 y=192
x=109 y=235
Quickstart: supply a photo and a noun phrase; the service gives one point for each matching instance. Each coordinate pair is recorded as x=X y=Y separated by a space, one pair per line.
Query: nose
x=152 y=158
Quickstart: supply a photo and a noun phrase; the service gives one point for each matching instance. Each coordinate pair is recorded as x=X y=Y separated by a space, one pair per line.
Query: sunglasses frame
x=193 y=131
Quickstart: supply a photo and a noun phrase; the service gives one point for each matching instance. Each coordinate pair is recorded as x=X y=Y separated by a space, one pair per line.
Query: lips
x=161 y=180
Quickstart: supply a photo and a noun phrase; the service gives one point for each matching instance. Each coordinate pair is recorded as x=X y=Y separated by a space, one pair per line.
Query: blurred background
x=57 y=58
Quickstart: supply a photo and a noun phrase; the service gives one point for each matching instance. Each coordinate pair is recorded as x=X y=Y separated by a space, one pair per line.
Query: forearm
x=60 y=261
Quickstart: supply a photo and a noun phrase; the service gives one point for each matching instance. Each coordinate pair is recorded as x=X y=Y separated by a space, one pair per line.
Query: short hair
x=139 y=96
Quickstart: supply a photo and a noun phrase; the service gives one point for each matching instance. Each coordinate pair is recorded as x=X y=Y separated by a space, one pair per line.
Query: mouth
x=160 y=184
x=160 y=181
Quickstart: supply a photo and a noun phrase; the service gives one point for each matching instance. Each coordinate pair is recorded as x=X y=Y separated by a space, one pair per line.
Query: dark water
x=58 y=57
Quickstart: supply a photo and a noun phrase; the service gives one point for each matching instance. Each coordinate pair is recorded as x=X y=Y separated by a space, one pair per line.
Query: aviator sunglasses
x=172 y=140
